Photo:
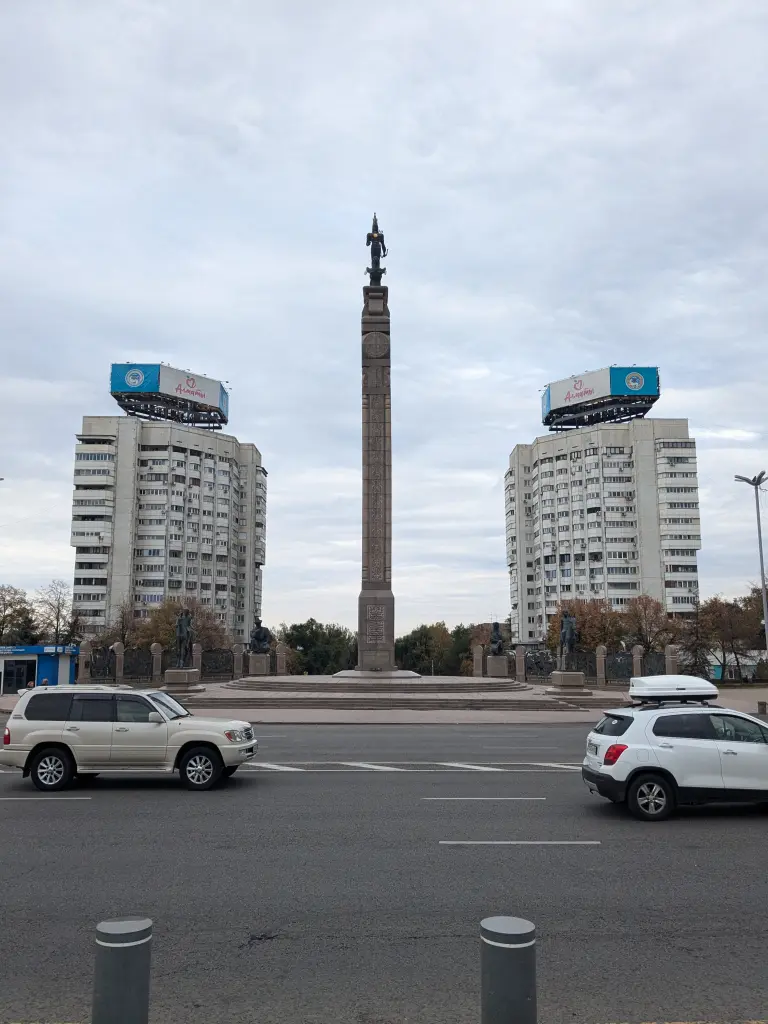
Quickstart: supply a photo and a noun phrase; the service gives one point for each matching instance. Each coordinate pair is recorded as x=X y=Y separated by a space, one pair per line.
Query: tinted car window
x=737 y=730
x=613 y=725
x=48 y=707
x=92 y=707
x=690 y=727
x=132 y=709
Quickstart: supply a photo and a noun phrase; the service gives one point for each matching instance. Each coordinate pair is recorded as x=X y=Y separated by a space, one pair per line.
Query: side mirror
x=155 y=718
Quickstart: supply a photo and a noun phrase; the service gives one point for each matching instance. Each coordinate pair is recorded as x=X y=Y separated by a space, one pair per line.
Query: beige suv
x=56 y=733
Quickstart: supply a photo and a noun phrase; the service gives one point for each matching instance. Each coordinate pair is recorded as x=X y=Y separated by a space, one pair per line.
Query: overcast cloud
x=563 y=184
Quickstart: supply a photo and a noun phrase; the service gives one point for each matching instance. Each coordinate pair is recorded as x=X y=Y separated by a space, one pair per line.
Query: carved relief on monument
x=375 y=615
x=375 y=345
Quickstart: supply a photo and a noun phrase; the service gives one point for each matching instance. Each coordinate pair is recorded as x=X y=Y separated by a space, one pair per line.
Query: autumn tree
x=647 y=624
x=733 y=628
x=122 y=628
x=160 y=626
x=694 y=644
x=596 y=621
x=54 y=610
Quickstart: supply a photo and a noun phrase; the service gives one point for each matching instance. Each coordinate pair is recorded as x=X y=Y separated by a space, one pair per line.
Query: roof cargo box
x=659 y=688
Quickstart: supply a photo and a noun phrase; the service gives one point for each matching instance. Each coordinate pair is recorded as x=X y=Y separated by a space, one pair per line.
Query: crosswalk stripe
x=278 y=767
x=371 y=767
x=556 y=764
x=469 y=767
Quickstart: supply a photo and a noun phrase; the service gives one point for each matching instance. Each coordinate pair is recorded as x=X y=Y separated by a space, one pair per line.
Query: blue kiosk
x=22 y=664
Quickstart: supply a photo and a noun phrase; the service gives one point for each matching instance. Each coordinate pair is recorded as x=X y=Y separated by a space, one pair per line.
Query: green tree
x=427 y=650
x=694 y=643
x=18 y=620
x=318 y=649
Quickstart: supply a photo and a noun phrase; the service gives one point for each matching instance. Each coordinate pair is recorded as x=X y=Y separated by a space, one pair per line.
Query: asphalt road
x=323 y=895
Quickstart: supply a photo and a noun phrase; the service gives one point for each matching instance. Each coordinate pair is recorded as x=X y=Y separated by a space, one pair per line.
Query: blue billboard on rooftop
x=139 y=379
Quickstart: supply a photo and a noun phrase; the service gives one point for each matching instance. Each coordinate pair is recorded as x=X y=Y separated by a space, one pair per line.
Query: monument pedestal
x=497 y=666
x=258 y=664
x=567 y=684
x=394 y=674
x=182 y=680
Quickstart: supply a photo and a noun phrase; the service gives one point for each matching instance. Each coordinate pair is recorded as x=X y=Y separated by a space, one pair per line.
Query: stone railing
x=600 y=667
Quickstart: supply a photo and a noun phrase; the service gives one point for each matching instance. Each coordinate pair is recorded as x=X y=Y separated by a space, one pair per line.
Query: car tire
x=200 y=768
x=651 y=797
x=229 y=772
x=52 y=769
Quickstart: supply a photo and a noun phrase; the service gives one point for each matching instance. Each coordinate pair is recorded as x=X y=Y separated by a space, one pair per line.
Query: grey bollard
x=761 y=707
x=121 y=978
x=507 y=971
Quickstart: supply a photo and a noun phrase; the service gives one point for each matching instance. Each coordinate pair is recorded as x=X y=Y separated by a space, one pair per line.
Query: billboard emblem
x=134 y=378
x=634 y=381
x=191 y=382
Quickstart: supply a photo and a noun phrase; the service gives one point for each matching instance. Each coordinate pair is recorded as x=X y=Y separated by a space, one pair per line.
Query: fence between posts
x=122 y=971
x=600 y=667
x=140 y=666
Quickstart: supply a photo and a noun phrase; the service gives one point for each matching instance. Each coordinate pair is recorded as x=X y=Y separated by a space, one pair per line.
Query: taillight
x=7 y=738
x=614 y=752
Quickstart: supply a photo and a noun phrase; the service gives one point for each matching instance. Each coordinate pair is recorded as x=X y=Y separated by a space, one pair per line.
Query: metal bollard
x=761 y=707
x=121 y=977
x=507 y=971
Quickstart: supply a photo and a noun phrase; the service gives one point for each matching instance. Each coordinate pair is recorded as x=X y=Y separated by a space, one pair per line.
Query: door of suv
x=743 y=753
x=88 y=730
x=137 y=742
x=684 y=743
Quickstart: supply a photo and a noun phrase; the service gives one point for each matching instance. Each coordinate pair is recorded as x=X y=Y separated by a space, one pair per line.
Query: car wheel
x=229 y=772
x=200 y=768
x=52 y=769
x=651 y=798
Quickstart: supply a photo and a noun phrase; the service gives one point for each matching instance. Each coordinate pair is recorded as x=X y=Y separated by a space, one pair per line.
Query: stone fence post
x=637 y=660
x=281 y=659
x=520 y=663
x=119 y=649
x=156 y=650
x=237 y=661
x=601 y=652
x=670 y=660
x=197 y=657
x=84 y=662
x=477 y=660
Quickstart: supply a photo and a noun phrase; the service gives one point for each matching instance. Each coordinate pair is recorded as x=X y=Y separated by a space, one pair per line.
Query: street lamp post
x=755 y=482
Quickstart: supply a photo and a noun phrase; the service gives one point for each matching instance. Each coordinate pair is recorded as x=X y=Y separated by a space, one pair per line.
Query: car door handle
x=732 y=752
x=667 y=746
x=121 y=728
x=73 y=728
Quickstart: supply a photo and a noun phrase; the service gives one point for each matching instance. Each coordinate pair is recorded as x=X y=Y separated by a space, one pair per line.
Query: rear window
x=48 y=707
x=613 y=725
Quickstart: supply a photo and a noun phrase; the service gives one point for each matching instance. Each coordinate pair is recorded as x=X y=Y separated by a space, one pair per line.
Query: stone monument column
x=376 y=605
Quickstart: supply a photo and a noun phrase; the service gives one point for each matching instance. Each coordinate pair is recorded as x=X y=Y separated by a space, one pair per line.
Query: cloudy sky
x=563 y=184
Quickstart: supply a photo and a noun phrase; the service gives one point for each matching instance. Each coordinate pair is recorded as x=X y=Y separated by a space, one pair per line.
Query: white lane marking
x=11 y=798
x=470 y=767
x=519 y=842
x=371 y=767
x=483 y=798
x=555 y=764
x=278 y=767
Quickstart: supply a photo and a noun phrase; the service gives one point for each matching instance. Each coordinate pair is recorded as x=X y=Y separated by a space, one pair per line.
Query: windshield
x=170 y=705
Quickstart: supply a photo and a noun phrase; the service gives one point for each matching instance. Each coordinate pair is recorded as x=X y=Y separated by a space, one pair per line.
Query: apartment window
x=94 y=457
x=92 y=472
x=675 y=444
x=683 y=504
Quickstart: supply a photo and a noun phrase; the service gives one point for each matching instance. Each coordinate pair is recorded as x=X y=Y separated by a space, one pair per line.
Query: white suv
x=56 y=733
x=674 y=748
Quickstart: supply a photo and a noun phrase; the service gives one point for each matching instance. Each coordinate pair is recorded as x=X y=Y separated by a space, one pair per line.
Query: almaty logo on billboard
x=134 y=378
x=190 y=389
x=579 y=392
x=634 y=380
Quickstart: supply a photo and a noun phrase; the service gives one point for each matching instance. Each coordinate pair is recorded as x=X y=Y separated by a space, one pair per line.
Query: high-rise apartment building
x=164 y=510
x=607 y=510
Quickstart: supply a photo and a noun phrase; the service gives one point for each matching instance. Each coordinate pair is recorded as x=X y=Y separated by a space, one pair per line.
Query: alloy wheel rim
x=199 y=769
x=50 y=770
x=652 y=798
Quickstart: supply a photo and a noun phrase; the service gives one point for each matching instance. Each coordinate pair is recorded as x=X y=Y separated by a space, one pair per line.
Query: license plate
x=592 y=748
